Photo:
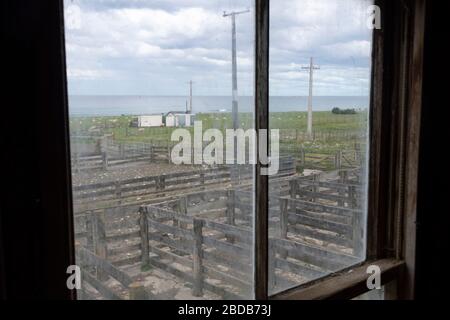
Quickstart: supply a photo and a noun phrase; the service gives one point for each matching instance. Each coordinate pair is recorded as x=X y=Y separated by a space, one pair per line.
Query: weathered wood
x=89 y=225
x=315 y=255
x=353 y=196
x=283 y=218
x=241 y=234
x=197 y=257
x=181 y=246
x=321 y=224
x=100 y=243
x=358 y=235
x=105 y=161
x=100 y=287
x=313 y=233
x=332 y=186
x=228 y=279
x=124 y=236
x=216 y=258
x=272 y=267
x=298 y=269
x=347 y=285
x=230 y=212
x=143 y=230
x=293 y=189
x=186 y=234
x=118 y=191
x=315 y=207
x=237 y=251
x=124 y=249
x=137 y=291
x=183 y=210
x=338 y=160
x=184 y=261
x=88 y=258
x=284 y=224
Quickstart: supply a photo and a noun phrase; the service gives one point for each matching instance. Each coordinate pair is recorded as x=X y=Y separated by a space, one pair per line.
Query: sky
x=155 y=47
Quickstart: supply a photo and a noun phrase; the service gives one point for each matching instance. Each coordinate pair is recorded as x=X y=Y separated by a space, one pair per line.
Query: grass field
x=332 y=133
x=325 y=124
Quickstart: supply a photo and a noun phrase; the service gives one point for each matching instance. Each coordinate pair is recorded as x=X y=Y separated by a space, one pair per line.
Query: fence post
x=202 y=183
x=358 y=234
x=89 y=230
x=145 y=250
x=76 y=162
x=137 y=291
x=338 y=160
x=342 y=180
x=105 y=161
x=352 y=195
x=151 y=153
x=316 y=187
x=169 y=155
x=122 y=150
x=197 y=258
x=162 y=182
x=293 y=189
x=272 y=266
x=302 y=157
x=182 y=210
x=118 y=191
x=230 y=212
x=284 y=216
x=357 y=153
x=100 y=244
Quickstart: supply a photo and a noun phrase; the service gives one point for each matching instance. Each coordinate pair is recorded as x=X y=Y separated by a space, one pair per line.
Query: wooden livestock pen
x=115 y=154
x=205 y=239
x=164 y=186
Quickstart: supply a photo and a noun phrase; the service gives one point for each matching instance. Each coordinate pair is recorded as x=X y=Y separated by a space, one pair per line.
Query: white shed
x=179 y=120
x=150 y=121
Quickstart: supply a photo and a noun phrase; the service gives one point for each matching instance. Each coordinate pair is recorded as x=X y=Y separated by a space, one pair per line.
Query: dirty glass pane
x=320 y=61
x=160 y=212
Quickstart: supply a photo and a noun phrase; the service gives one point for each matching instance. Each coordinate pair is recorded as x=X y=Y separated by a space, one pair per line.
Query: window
x=174 y=194
x=154 y=90
x=320 y=74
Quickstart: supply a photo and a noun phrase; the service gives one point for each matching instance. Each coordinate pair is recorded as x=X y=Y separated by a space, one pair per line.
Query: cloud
x=152 y=47
x=88 y=74
x=354 y=49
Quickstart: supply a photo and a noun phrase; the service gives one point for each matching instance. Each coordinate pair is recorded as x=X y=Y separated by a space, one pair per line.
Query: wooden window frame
x=394 y=148
x=394 y=154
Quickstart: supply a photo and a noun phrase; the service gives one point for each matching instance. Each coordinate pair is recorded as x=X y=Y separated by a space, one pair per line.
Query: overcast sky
x=154 y=47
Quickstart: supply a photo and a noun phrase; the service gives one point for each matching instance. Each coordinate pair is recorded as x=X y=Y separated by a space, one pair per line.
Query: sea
x=115 y=105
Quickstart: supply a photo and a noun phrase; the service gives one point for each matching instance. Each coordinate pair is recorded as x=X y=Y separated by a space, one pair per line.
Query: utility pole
x=235 y=176
x=311 y=69
x=234 y=64
x=190 y=96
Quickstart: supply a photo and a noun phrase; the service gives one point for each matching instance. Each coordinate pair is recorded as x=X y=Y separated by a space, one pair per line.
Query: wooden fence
x=297 y=135
x=95 y=270
x=114 y=154
x=206 y=238
x=160 y=186
x=324 y=161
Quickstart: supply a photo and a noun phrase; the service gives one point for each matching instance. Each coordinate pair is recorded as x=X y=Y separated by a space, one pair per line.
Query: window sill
x=344 y=285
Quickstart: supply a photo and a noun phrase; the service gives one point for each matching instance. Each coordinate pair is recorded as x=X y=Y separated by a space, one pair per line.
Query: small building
x=177 y=119
x=148 y=121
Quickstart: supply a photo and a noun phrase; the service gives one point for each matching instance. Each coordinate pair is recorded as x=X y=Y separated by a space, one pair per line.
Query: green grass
x=331 y=129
